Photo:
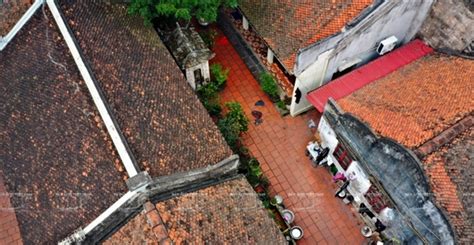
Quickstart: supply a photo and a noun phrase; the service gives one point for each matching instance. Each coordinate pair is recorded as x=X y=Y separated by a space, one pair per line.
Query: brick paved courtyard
x=279 y=144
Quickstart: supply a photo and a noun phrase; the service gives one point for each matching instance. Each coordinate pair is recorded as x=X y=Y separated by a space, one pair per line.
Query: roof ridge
x=445 y=136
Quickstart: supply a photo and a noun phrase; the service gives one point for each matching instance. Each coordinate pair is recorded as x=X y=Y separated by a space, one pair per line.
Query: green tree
x=179 y=9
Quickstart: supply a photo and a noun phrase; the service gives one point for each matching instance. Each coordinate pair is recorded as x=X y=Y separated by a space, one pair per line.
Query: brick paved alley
x=279 y=144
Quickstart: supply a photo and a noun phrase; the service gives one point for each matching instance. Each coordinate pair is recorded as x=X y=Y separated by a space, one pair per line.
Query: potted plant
x=262 y=185
x=220 y=75
x=254 y=167
x=270 y=86
x=277 y=200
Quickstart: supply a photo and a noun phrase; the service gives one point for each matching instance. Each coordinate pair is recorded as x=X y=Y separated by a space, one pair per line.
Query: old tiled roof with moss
x=10 y=12
x=227 y=213
x=56 y=158
x=136 y=231
x=418 y=101
x=428 y=106
x=163 y=121
x=451 y=172
x=289 y=25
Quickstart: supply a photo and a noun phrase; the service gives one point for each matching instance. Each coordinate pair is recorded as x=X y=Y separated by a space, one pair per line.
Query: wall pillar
x=245 y=23
x=205 y=71
x=270 y=56
x=190 y=78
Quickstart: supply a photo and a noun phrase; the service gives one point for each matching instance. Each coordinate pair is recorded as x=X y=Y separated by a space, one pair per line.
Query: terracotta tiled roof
x=417 y=102
x=227 y=213
x=135 y=231
x=289 y=25
x=451 y=172
x=162 y=119
x=55 y=155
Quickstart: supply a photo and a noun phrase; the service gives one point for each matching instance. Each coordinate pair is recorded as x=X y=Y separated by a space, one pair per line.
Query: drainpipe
x=112 y=128
x=17 y=27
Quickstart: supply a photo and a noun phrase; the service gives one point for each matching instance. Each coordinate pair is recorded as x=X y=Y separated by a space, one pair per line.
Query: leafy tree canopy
x=179 y=9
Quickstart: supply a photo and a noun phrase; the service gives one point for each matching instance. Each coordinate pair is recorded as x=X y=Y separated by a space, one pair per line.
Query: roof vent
x=387 y=45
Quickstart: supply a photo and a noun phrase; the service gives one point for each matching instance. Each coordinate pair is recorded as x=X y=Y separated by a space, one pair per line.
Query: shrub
x=234 y=123
x=254 y=168
x=236 y=113
x=209 y=97
x=209 y=37
x=230 y=130
x=207 y=92
x=214 y=108
x=269 y=85
x=281 y=105
x=219 y=74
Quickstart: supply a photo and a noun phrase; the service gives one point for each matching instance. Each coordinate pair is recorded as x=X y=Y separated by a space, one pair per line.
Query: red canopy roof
x=368 y=73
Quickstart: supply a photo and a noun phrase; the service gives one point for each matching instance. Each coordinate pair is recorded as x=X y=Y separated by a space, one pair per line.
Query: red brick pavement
x=279 y=144
x=9 y=230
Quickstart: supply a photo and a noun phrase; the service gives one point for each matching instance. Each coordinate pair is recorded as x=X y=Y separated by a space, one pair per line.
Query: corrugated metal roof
x=368 y=73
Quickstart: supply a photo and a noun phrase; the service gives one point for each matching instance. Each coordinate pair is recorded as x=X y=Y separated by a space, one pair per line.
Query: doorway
x=198 y=78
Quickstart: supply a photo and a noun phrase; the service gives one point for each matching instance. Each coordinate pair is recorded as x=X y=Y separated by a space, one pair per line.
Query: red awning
x=368 y=73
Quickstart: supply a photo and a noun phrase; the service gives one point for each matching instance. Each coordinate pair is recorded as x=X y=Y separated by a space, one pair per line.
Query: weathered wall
x=398 y=18
x=401 y=18
x=399 y=172
x=450 y=25
x=308 y=80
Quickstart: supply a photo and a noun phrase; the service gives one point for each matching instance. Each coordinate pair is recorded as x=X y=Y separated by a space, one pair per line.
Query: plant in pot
x=264 y=182
x=269 y=86
x=219 y=75
x=244 y=152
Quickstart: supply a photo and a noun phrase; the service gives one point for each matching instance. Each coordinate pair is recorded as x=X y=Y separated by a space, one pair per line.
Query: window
x=376 y=199
x=342 y=155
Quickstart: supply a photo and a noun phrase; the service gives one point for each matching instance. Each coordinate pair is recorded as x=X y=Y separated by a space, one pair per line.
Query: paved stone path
x=279 y=143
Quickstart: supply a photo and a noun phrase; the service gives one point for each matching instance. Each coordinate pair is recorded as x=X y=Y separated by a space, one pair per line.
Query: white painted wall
x=310 y=79
x=400 y=18
x=204 y=70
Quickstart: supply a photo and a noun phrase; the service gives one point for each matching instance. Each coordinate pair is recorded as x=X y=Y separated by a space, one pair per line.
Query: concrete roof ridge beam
x=17 y=27
x=99 y=101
